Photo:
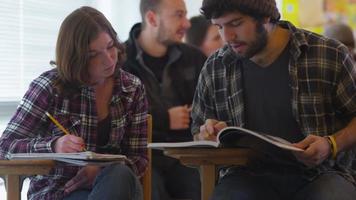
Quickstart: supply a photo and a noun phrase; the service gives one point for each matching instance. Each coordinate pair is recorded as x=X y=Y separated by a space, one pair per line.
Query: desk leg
x=207 y=178
x=13 y=187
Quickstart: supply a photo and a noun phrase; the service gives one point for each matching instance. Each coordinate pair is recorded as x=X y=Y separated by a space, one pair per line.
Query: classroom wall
x=314 y=15
x=127 y=13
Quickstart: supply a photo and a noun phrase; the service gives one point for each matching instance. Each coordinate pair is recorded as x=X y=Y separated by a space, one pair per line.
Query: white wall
x=126 y=13
x=124 y=16
x=193 y=7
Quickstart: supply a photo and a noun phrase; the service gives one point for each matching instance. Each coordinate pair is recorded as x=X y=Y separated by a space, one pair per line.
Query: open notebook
x=80 y=158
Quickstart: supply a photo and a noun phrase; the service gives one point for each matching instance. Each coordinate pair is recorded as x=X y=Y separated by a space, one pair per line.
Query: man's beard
x=163 y=36
x=258 y=44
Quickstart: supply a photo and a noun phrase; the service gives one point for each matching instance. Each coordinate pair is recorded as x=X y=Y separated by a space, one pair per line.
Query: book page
x=200 y=143
x=232 y=133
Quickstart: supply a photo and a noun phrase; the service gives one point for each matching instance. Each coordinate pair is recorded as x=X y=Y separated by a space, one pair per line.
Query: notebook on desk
x=79 y=158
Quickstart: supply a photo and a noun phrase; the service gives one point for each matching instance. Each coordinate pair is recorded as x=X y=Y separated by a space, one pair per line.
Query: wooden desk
x=207 y=159
x=13 y=169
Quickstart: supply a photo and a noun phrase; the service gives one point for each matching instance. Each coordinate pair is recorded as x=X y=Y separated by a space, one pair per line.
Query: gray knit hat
x=259 y=7
x=263 y=7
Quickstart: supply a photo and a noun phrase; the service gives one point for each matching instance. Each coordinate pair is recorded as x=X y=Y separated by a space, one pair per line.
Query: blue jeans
x=244 y=184
x=115 y=182
x=172 y=180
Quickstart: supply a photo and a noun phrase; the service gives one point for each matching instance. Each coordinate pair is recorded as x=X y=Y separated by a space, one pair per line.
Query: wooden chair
x=146 y=179
x=12 y=170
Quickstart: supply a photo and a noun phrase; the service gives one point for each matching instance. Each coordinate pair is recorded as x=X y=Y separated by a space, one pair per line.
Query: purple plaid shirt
x=30 y=130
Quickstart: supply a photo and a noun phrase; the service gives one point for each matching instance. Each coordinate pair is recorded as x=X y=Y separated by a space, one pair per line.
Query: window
x=27 y=44
x=28 y=33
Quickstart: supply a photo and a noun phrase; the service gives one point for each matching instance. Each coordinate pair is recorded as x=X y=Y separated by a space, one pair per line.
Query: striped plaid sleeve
x=135 y=142
x=202 y=107
x=346 y=89
x=26 y=130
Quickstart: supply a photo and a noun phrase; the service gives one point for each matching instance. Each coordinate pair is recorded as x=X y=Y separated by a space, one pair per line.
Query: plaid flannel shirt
x=323 y=84
x=30 y=130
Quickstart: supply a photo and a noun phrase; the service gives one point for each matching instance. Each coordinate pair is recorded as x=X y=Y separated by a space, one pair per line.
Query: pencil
x=59 y=125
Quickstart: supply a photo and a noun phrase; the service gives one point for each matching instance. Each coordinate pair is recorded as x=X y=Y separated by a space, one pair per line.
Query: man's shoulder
x=130 y=43
x=188 y=50
x=186 y=57
x=187 y=47
x=317 y=45
x=316 y=39
x=131 y=54
x=223 y=56
x=130 y=48
x=217 y=63
x=303 y=37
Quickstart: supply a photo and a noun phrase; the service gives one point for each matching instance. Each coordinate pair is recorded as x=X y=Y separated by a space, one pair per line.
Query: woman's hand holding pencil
x=67 y=143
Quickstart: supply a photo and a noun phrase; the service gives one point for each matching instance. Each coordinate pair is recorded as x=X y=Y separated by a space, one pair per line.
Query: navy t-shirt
x=268 y=109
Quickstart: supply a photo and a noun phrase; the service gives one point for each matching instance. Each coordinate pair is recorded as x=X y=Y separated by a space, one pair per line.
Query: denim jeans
x=244 y=184
x=115 y=182
x=172 y=180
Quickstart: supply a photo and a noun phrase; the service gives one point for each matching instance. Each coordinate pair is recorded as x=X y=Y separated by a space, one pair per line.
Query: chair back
x=146 y=179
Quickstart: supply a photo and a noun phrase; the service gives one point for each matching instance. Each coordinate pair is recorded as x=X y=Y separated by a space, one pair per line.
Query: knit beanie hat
x=266 y=8
x=262 y=7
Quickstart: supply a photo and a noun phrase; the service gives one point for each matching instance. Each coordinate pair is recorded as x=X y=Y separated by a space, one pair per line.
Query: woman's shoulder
x=129 y=82
x=42 y=87
x=48 y=76
x=46 y=79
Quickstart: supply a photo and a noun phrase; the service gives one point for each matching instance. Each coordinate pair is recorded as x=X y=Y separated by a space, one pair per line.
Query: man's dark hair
x=147 y=5
x=196 y=33
x=265 y=8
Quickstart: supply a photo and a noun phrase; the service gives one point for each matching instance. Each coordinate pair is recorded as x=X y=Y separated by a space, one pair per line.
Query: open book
x=228 y=135
x=80 y=158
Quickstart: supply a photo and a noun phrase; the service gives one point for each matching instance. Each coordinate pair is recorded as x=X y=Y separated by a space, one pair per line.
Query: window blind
x=28 y=33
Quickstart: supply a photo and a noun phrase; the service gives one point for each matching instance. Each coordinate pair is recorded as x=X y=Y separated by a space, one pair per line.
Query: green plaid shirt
x=323 y=84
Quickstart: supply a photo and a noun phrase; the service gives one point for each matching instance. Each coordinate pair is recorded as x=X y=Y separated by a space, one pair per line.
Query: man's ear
x=151 y=18
x=266 y=20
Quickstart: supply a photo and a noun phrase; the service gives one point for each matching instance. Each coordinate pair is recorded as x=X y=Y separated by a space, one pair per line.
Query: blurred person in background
x=343 y=33
x=169 y=69
x=203 y=35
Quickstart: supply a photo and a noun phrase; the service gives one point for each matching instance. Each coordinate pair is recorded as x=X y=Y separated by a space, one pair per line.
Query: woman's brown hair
x=76 y=32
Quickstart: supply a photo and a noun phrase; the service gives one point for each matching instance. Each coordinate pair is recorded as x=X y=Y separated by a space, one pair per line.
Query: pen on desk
x=59 y=125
